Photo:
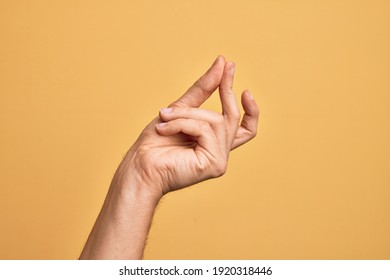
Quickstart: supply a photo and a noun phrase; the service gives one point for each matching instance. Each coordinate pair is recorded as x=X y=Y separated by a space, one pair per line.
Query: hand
x=182 y=146
x=186 y=144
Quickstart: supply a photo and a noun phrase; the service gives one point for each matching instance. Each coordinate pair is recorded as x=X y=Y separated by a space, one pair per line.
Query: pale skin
x=182 y=146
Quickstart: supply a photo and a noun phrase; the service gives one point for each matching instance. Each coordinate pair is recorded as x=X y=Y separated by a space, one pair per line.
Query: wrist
x=124 y=219
x=135 y=192
x=129 y=185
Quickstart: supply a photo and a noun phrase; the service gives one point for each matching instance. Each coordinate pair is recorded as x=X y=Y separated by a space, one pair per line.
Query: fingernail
x=250 y=95
x=159 y=125
x=166 y=110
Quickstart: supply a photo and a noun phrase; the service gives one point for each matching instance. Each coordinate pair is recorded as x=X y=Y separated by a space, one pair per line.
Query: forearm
x=122 y=226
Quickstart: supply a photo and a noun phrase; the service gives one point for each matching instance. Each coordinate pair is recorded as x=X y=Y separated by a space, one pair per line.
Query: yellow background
x=80 y=79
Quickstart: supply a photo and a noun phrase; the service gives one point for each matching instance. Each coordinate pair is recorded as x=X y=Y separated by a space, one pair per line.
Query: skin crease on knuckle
x=212 y=165
x=204 y=126
x=220 y=168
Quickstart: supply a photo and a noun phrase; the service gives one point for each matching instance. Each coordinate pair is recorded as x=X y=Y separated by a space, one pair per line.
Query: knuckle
x=198 y=84
x=251 y=134
x=202 y=166
x=219 y=119
x=204 y=126
x=179 y=103
x=254 y=133
x=220 y=168
x=201 y=86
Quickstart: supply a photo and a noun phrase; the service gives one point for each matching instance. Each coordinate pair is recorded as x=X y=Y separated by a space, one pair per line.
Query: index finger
x=202 y=89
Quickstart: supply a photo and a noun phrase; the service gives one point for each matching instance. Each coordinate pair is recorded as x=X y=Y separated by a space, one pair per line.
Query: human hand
x=185 y=144
x=182 y=146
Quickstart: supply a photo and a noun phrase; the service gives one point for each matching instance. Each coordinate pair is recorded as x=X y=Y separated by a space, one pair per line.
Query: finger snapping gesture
x=186 y=144
x=180 y=147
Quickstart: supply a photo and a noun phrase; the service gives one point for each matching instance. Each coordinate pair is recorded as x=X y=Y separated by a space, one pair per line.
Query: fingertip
x=247 y=97
x=230 y=67
x=210 y=81
x=165 y=111
x=220 y=57
x=219 y=62
x=249 y=94
x=161 y=125
x=202 y=89
x=228 y=76
x=249 y=103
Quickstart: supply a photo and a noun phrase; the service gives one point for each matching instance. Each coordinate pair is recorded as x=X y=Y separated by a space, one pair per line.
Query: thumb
x=202 y=89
